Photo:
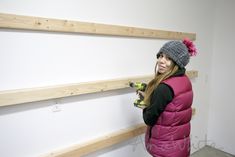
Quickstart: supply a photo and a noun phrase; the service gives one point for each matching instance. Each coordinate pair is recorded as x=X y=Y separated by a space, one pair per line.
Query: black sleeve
x=161 y=96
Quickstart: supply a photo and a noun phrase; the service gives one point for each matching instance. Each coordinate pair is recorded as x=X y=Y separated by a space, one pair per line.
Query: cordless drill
x=140 y=86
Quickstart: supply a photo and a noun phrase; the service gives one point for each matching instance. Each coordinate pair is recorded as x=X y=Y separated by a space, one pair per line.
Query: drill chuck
x=138 y=85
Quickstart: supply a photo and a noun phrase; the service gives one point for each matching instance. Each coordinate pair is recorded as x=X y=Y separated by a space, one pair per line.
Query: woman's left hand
x=141 y=94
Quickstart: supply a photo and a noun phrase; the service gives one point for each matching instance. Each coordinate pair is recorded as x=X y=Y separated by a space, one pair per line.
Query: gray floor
x=210 y=152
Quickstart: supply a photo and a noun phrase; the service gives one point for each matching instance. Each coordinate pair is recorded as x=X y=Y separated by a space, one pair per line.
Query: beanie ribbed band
x=177 y=51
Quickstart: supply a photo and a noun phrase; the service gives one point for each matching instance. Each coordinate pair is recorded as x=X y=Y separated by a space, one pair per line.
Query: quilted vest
x=170 y=136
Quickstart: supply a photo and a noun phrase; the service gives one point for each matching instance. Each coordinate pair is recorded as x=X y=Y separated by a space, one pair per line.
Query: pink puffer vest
x=170 y=136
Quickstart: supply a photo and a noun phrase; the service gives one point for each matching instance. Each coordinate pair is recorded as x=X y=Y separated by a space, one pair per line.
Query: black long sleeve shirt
x=161 y=96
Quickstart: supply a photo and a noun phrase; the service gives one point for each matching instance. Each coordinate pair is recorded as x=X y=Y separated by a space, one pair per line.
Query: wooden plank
x=99 y=143
x=102 y=142
x=13 y=97
x=11 y=21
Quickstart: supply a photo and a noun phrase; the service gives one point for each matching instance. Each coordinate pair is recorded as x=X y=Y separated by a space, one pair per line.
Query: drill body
x=140 y=86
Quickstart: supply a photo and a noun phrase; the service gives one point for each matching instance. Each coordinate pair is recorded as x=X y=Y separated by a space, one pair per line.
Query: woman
x=169 y=98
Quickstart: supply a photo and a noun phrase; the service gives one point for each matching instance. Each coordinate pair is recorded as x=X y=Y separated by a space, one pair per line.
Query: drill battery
x=139 y=86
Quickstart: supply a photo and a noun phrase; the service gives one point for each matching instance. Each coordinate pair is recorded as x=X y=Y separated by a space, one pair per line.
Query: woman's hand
x=141 y=94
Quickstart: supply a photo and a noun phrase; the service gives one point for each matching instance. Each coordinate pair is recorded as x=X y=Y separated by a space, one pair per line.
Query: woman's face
x=164 y=63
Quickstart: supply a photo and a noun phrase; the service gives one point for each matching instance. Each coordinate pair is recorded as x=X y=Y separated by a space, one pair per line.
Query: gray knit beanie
x=178 y=51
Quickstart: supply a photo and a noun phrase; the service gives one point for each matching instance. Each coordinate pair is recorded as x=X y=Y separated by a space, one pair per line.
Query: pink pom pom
x=191 y=47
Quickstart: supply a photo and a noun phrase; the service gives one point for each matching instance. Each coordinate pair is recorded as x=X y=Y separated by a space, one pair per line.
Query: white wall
x=221 y=120
x=32 y=59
